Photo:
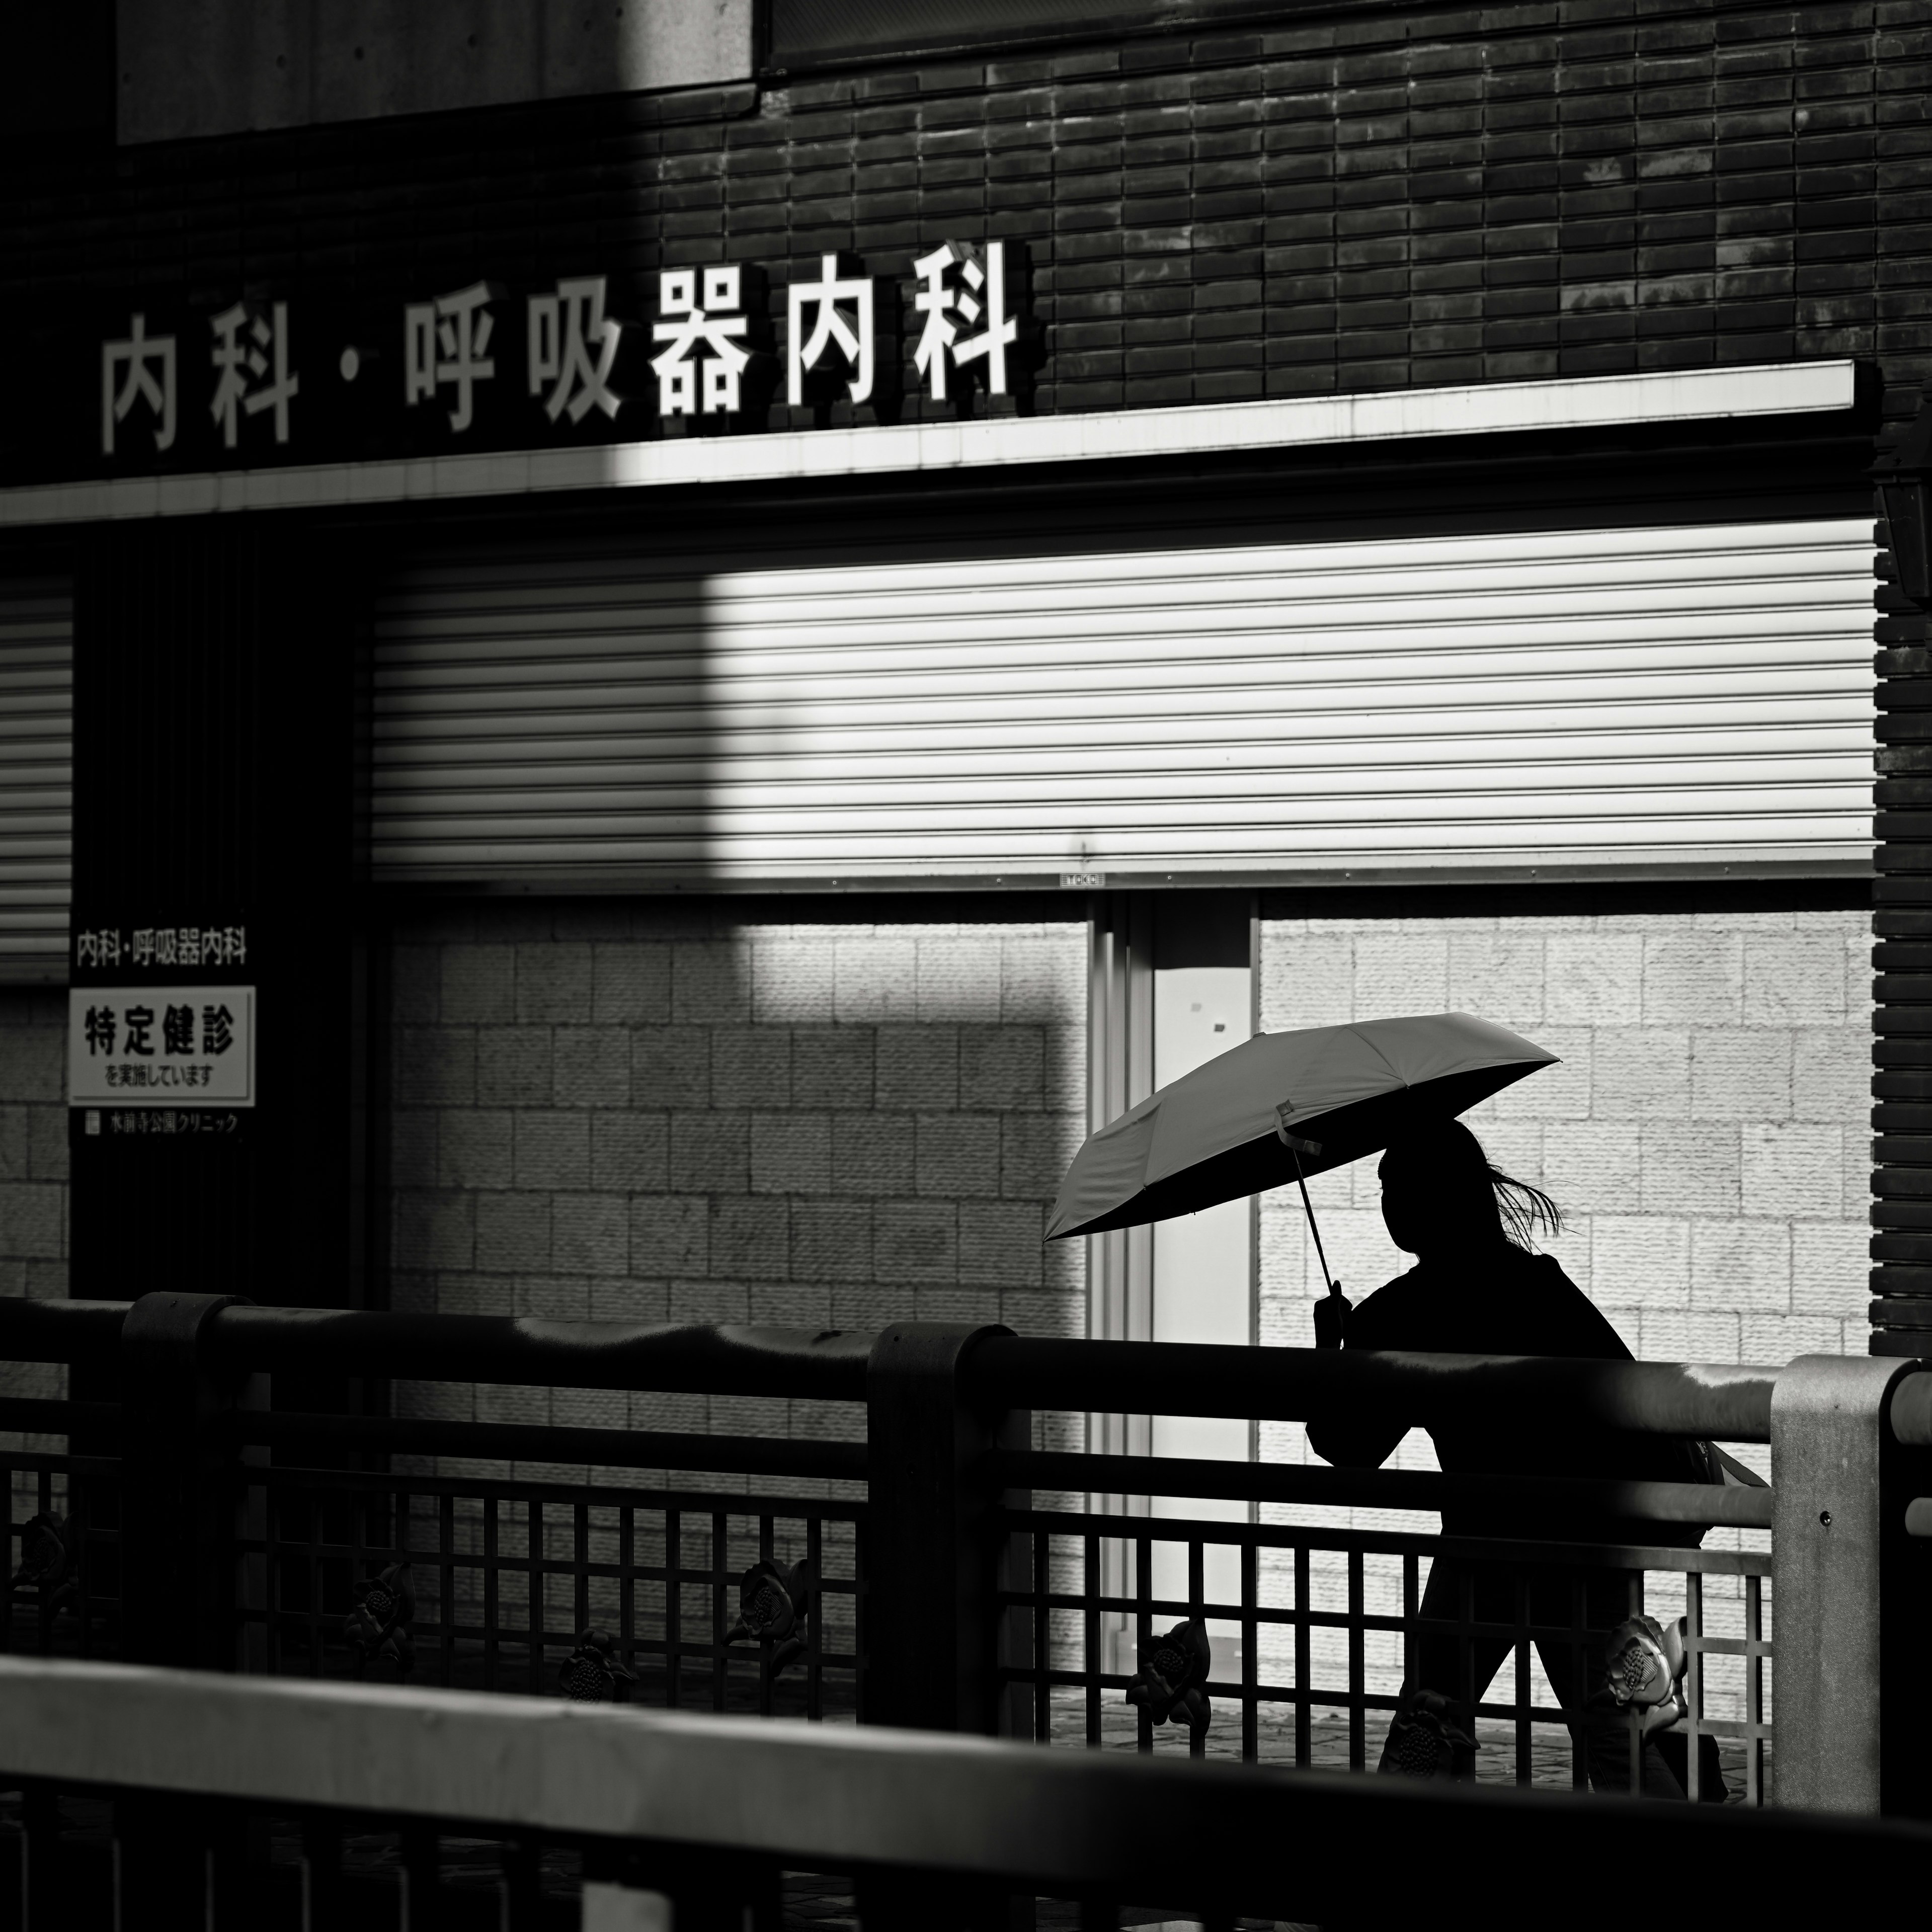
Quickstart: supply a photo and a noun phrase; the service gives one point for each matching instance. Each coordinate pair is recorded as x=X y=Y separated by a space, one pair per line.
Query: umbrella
x=1280 y=1106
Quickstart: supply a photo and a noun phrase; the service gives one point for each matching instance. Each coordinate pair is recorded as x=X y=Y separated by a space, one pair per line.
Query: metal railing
x=249 y=1802
x=517 y=1537
x=1554 y=1595
x=960 y=1578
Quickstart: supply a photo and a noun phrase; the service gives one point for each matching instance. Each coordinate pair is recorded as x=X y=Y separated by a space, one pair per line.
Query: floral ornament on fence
x=1425 y=1741
x=47 y=1564
x=379 y=1626
x=1173 y=1668
x=1644 y=1671
x=772 y=1606
x=590 y=1675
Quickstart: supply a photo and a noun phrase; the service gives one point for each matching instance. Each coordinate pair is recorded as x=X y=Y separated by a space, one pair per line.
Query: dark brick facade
x=1424 y=196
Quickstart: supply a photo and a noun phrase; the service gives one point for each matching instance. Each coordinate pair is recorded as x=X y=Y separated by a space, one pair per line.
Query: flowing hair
x=1522 y=1209
x=1458 y=1183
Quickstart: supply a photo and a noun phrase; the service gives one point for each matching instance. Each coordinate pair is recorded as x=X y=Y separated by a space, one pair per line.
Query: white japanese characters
x=445 y=341
x=162 y=946
x=711 y=338
x=140 y=355
x=562 y=327
x=841 y=309
x=712 y=318
x=954 y=281
x=247 y=344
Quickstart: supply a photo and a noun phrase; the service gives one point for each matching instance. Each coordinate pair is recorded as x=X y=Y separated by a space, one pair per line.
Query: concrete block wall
x=1705 y=1135
x=33 y=1188
x=616 y=1112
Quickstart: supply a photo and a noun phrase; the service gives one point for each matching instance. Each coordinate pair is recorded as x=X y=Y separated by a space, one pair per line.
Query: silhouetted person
x=1477 y=1290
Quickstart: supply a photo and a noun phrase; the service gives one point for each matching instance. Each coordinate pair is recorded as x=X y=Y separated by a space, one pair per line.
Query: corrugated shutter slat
x=36 y=779
x=1604 y=697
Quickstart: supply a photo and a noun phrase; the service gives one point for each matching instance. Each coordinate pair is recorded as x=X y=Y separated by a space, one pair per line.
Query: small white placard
x=160 y=1046
x=1083 y=882
x=621 y=1908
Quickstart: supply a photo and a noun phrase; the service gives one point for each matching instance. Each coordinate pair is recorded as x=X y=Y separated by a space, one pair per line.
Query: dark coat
x=1516 y=1304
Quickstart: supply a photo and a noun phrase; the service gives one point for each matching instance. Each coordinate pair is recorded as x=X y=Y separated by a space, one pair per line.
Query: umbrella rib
x=1394 y=1074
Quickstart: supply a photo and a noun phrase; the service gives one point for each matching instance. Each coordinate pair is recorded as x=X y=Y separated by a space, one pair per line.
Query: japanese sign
x=165 y=948
x=297 y=377
x=160 y=1046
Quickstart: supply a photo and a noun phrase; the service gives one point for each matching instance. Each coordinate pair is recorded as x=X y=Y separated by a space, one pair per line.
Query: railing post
x=1830 y=1537
x=177 y=1571
x=935 y=1641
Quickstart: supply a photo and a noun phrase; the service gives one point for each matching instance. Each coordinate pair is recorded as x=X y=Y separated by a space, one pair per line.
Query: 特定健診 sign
x=161 y=1046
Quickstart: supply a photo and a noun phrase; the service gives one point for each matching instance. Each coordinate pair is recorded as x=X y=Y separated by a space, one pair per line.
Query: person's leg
x=1455 y=1669
x=1576 y=1672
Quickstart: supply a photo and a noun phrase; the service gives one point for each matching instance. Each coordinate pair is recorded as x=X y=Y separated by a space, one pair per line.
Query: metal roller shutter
x=36 y=779
x=1612 y=698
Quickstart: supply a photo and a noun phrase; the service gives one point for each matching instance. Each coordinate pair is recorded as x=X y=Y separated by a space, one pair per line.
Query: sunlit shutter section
x=36 y=779
x=1597 y=698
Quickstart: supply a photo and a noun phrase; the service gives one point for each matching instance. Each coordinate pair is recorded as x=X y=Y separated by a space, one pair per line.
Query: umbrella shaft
x=1314 y=1227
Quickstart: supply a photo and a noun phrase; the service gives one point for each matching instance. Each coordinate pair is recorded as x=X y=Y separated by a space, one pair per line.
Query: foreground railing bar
x=535 y=1442
x=1398 y=1542
x=1063 y=1823
x=1712 y=1504
x=1721 y=1402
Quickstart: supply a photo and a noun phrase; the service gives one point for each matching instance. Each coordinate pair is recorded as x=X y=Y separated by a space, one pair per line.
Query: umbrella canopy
x=1337 y=1093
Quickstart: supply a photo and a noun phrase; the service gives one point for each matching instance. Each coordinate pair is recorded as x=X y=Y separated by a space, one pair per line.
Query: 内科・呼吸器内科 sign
x=297 y=377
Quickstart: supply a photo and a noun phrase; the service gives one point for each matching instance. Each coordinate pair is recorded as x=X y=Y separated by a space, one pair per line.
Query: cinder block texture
x=1705 y=1134
x=823 y=1127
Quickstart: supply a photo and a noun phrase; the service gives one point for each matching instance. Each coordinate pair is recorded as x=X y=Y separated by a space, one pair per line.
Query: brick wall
x=614 y=1112
x=1411 y=195
x=605 y=1113
x=1705 y=1135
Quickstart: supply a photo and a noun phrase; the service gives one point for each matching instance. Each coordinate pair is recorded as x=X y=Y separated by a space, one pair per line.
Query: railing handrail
x=1719 y=1402
x=662 y=1357
x=61 y=1331
x=1724 y=1402
x=666 y=1358
x=1073 y=1822
x=1711 y=1504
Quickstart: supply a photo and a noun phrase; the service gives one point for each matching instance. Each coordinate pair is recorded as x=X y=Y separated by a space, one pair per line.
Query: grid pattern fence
x=658 y=1570
x=1305 y=1620
x=506 y=1575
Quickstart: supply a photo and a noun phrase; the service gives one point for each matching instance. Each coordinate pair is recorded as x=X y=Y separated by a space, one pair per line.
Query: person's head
x=1440 y=1196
